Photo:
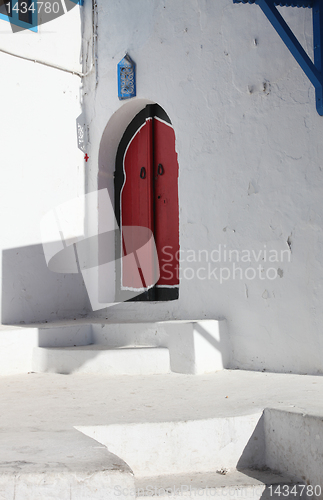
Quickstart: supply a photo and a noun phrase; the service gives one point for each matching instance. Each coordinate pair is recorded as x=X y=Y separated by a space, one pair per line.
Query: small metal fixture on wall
x=126 y=78
x=314 y=71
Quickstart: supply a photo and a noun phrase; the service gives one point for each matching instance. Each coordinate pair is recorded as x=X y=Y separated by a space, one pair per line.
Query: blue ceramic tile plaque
x=126 y=78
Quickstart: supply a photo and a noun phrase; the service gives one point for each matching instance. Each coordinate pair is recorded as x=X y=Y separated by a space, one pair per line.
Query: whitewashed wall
x=249 y=143
x=41 y=165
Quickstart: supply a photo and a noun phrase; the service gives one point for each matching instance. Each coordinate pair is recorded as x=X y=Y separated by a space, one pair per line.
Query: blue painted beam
x=318 y=49
x=291 y=41
x=287 y=3
x=314 y=71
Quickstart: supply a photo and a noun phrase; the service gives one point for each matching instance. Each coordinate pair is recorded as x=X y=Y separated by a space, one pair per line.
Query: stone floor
x=39 y=412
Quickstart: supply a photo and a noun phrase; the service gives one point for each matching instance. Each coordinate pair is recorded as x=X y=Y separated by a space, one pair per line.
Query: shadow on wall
x=33 y=293
x=198 y=347
x=219 y=343
x=253 y=462
x=254 y=456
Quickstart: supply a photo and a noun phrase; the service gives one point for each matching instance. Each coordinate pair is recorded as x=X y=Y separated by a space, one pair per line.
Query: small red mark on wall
x=86 y=157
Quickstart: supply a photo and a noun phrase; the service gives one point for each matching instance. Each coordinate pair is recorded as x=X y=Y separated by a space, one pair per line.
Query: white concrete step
x=195 y=346
x=294 y=444
x=17 y=344
x=249 y=484
x=98 y=359
x=43 y=458
x=58 y=464
x=185 y=447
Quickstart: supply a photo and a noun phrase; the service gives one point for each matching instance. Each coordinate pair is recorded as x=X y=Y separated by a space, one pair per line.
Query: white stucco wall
x=249 y=146
x=41 y=165
x=248 y=139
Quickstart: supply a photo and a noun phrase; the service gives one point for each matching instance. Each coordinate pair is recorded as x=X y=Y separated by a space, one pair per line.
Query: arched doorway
x=146 y=196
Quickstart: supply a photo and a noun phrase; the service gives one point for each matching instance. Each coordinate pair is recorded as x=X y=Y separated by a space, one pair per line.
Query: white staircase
x=100 y=359
x=197 y=458
x=191 y=347
x=103 y=450
x=184 y=447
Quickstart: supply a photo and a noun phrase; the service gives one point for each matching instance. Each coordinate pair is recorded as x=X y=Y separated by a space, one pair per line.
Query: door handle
x=160 y=169
x=143 y=173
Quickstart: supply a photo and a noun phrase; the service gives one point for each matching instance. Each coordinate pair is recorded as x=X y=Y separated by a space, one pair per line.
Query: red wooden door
x=146 y=203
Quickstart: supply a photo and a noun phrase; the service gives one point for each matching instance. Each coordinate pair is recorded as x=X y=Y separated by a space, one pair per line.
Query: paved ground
x=58 y=402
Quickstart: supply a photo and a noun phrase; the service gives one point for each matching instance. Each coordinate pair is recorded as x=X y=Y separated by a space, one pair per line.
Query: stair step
x=195 y=346
x=58 y=464
x=98 y=359
x=243 y=484
x=178 y=447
